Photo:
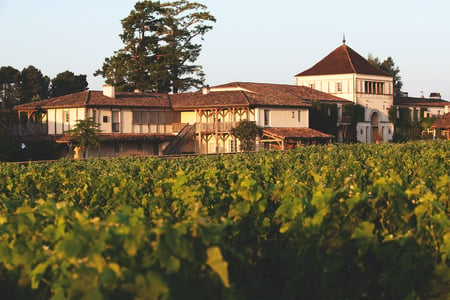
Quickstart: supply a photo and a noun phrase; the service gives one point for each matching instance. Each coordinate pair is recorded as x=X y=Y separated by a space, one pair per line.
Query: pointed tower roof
x=343 y=60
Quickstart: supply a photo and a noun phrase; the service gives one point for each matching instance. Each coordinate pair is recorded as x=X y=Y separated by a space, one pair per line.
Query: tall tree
x=9 y=87
x=160 y=47
x=67 y=83
x=389 y=66
x=33 y=85
x=85 y=134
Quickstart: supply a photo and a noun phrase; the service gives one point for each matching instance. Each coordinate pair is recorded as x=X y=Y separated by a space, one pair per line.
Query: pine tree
x=160 y=48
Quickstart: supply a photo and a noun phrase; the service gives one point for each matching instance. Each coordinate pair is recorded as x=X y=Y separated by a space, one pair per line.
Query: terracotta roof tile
x=252 y=94
x=443 y=122
x=297 y=133
x=237 y=94
x=96 y=98
x=72 y=100
x=415 y=101
x=213 y=99
x=343 y=60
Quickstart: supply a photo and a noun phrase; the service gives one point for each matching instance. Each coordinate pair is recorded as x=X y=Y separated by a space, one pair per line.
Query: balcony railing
x=214 y=127
x=29 y=130
x=176 y=127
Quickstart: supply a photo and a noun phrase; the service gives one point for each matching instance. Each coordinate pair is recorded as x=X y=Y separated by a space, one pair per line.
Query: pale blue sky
x=253 y=40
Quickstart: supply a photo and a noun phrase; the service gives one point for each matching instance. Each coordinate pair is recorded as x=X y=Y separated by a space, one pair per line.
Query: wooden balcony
x=29 y=130
x=218 y=127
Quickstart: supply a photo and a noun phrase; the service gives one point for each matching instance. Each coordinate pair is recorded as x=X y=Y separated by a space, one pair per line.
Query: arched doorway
x=374 y=124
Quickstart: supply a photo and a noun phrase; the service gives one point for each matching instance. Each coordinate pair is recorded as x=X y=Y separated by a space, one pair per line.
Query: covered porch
x=288 y=138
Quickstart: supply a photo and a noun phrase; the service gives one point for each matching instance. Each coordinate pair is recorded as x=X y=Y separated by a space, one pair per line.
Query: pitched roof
x=414 y=101
x=236 y=94
x=96 y=98
x=250 y=94
x=297 y=133
x=343 y=60
x=442 y=122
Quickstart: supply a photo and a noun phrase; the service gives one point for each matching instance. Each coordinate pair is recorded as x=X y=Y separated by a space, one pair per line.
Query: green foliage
x=323 y=117
x=322 y=222
x=33 y=84
x=389 y=66
x=354 y=113
x=407 y=128
x=159 y=47
x=246 y=131
x=66 y=83
x=85 y=134
x=9 y=83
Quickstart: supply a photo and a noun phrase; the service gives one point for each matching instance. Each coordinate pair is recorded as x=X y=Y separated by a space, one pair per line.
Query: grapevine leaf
x=37 y=273
x=72 y=247
x=364 y=231
x=216 y=262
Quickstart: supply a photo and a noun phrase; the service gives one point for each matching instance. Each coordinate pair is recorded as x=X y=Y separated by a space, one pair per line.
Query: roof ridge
x=348 y=56
x=88 y=97
x=242 y=92
x=170 y=101
x=245 y=97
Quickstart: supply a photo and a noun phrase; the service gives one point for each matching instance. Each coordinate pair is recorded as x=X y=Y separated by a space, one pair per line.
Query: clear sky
x=253 y=40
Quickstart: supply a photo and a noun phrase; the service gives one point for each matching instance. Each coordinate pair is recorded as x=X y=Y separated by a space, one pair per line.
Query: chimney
x=435 y=96
x=109 y=91
x=206 y=90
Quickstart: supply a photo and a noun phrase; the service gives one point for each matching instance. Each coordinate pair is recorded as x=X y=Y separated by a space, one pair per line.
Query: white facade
x=282 y=117
x=60 y=120
x=373 y=92
x=111 y=120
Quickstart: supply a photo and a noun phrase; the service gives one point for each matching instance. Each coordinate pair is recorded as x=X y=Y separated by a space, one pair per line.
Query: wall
x=329 y=83
x=103 y=116
x=56 y=119
x=282 y=117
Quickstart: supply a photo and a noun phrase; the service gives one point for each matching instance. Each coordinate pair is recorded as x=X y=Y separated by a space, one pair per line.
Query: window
x=94 y=115
x=293 y=114
x=339 y=87
x=233 y=146
x=137 y=117
x=66 y=117
x=105 y=119
x=312 y=85
x=299 y=116
x=266 y=117
x=376 y=88
x=115 y=121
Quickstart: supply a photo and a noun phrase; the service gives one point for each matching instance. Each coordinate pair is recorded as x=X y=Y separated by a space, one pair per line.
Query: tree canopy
x=246 y=131
x=9 y=86
x=85 y=133
x=67 y=83
x=160 y=47
x=17 y=87
x=33 y=85
x=389 y=66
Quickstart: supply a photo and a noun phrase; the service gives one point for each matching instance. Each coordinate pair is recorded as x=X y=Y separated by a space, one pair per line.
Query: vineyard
x=318 y=222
